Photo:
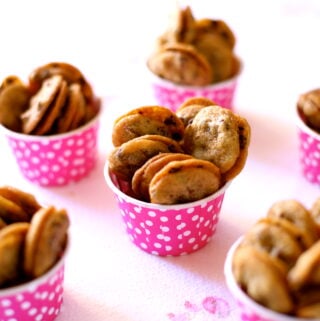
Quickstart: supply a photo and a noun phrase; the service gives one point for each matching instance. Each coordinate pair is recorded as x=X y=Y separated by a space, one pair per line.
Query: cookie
x=45 y=240
x=14 y=100
x=40 y=103
x=24 y=200
x=184 y=181
x=125 y=159
x=11 y=212
x=142 y=176
x=181 y=64
x=147 y=120
x=296 y=213
x=260 y=278
x=218 y=135
x=12 y=240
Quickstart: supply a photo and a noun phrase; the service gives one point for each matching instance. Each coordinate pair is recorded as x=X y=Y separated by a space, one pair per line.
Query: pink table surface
x=107 y=277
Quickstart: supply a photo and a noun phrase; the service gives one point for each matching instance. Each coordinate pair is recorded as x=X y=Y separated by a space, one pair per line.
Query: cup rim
x=160 y=207
x=238 y=293
x=217 y=85
x=304 y=127
x=28 y=137
x=39 y=280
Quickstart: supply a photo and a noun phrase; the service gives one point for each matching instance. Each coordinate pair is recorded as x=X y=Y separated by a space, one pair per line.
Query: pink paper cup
x=38 y=300
x=248 y=309
x=167 y=230
x=309 y=151
x=172 y=95
x=56 y=160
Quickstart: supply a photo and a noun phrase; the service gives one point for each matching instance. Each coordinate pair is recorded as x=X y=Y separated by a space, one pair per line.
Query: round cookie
x=11 y=212
x=45 y=240
x=184 y=181
x=147 y=120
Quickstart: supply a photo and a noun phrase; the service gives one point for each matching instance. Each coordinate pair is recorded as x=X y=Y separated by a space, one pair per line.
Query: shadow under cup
x=167 y=230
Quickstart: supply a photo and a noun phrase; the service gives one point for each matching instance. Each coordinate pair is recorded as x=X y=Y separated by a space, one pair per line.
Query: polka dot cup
x=248 y=309
x=56 y=160
x=309 y=152
x=167 y=230
x=172 y=95
x=38 y=300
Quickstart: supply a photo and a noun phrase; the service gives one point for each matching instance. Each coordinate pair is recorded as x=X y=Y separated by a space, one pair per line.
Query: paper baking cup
x=309 y=152
x=167 y=230
x=248 y=309
x=38 y=300
x=172 y=95
x=56 y=160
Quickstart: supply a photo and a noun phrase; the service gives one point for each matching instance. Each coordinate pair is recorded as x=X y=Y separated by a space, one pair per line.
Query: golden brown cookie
x=11 y=212
x=24 y=200
x=125 y=159
x=40 y=103
x=142 y=176
x=218 y=135
x=306 y=271
x=296 y=213
x=199 y=100
x=181 y=64
x=257 y=275
x=45 y=241
x=311 y=311
x=12 y=240
x=308 y=105
x=14 y=100
x=184 y=181
x=147 y=120
x=267 y=236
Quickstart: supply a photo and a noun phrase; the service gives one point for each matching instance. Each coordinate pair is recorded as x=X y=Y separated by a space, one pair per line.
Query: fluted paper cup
x=56 y=160
x=309 y=151
x=38 y=300
x=167 y=230
x=173 y=95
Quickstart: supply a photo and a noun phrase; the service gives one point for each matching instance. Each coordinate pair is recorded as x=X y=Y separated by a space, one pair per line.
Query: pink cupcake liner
x=248 y=309
x=309 y=152
x=37 y=300
x=56 y=160
x=167 y=230
x=172 y=95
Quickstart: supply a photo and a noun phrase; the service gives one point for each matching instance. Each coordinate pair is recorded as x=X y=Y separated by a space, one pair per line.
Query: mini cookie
x=14 y=100
x=306 y=271
x=216 y=27
x=45 y=241
x=309 y=108
x=46 y=124
x=187 y=111
x=184 y=181
x=274 y=240
x=11 y=212
x=218 y=135
x=12 y=239
x=257 y=275
x=24 y=200
x=142 y=176
x=147 y=120
x=125 y=159
x=296 y=213
x=181 y=64
x=40 y=103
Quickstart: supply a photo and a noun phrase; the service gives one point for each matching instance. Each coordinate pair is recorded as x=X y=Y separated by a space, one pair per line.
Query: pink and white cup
x=38 y=300
x=309 y=151
x=248 y=309
x=167 y=230
x=56 y=160
x=172 y=95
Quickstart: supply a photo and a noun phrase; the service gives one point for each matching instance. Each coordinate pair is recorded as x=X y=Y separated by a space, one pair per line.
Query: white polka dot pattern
x=310 y=157
x=173 y=96
x=40 y=302
x=56 y=160
x=170 y=230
